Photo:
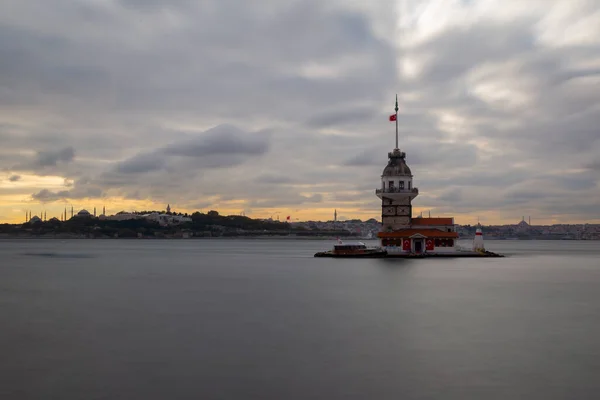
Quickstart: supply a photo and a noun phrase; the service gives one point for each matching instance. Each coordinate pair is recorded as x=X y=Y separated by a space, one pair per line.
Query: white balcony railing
x=397 y=190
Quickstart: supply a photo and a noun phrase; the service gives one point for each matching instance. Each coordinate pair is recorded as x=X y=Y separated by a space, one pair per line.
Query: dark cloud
x=81 y=188
x=497 y=116
x=80 y=191
x=452 y=195
x=594 y=166
x=222 y=146
x=51 y=158
x=206 y=61
x=141 y=163
x=45 y=159
x=224 y=140
x=46 y=195
x=45 y=162
x=577 y=183
x=14 y=178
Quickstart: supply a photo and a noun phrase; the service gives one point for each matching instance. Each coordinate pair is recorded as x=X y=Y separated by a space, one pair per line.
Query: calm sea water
x=263 y=319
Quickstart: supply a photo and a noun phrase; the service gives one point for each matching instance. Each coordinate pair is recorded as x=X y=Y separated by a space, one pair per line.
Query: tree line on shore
x=202 y=224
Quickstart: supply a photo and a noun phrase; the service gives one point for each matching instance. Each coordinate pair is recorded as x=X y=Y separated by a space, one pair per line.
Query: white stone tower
x=478 y=240
x=397 y=191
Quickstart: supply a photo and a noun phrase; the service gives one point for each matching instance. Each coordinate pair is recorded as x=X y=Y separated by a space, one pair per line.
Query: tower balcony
x=397 y=193
x=396 y=190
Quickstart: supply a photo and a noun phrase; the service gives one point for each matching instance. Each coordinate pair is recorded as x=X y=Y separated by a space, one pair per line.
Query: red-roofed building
x=420 y=221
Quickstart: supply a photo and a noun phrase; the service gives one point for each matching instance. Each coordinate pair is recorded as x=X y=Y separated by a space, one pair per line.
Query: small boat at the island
x=352 y=249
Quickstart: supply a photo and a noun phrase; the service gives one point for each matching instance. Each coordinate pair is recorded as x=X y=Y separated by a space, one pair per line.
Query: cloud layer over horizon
x=281 y=106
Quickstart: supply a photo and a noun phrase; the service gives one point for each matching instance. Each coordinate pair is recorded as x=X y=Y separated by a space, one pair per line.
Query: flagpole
x=396 y=121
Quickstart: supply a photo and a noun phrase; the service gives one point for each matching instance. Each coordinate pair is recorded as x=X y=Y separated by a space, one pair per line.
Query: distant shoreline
x=266 y=237
x=6 y=238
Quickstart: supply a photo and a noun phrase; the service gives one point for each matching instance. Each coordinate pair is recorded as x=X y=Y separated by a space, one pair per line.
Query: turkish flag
x=393 y=117
x=429 y=244
x=406 y=244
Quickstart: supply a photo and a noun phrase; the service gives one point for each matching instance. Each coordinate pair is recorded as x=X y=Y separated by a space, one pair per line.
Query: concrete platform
x=379 y=254
x=458 y=254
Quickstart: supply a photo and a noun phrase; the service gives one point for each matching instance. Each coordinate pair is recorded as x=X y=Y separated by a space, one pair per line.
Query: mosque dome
x=35 y=218
x=84 y=213
x=396 y=165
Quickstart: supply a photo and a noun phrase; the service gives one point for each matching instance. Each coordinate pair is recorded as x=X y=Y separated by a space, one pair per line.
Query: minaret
x=397 y=191
x=104 y=210
x=335 y=215
x=94 y=211
x=168 y=208
x=71 y=211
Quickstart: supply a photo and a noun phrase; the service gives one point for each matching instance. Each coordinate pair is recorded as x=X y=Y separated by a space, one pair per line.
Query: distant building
x=166 y=219
x=83 y=214
x=123 y=216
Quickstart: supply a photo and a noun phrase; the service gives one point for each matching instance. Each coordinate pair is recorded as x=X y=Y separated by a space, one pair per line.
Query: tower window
x=408 y=185
x=401 y=184
x=391 y=185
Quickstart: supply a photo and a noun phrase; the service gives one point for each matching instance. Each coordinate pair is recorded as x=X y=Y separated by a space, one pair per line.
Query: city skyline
x=267 y=107
x=70 y=211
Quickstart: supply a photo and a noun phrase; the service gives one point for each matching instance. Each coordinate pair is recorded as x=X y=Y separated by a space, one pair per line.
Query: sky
x=280 y=107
